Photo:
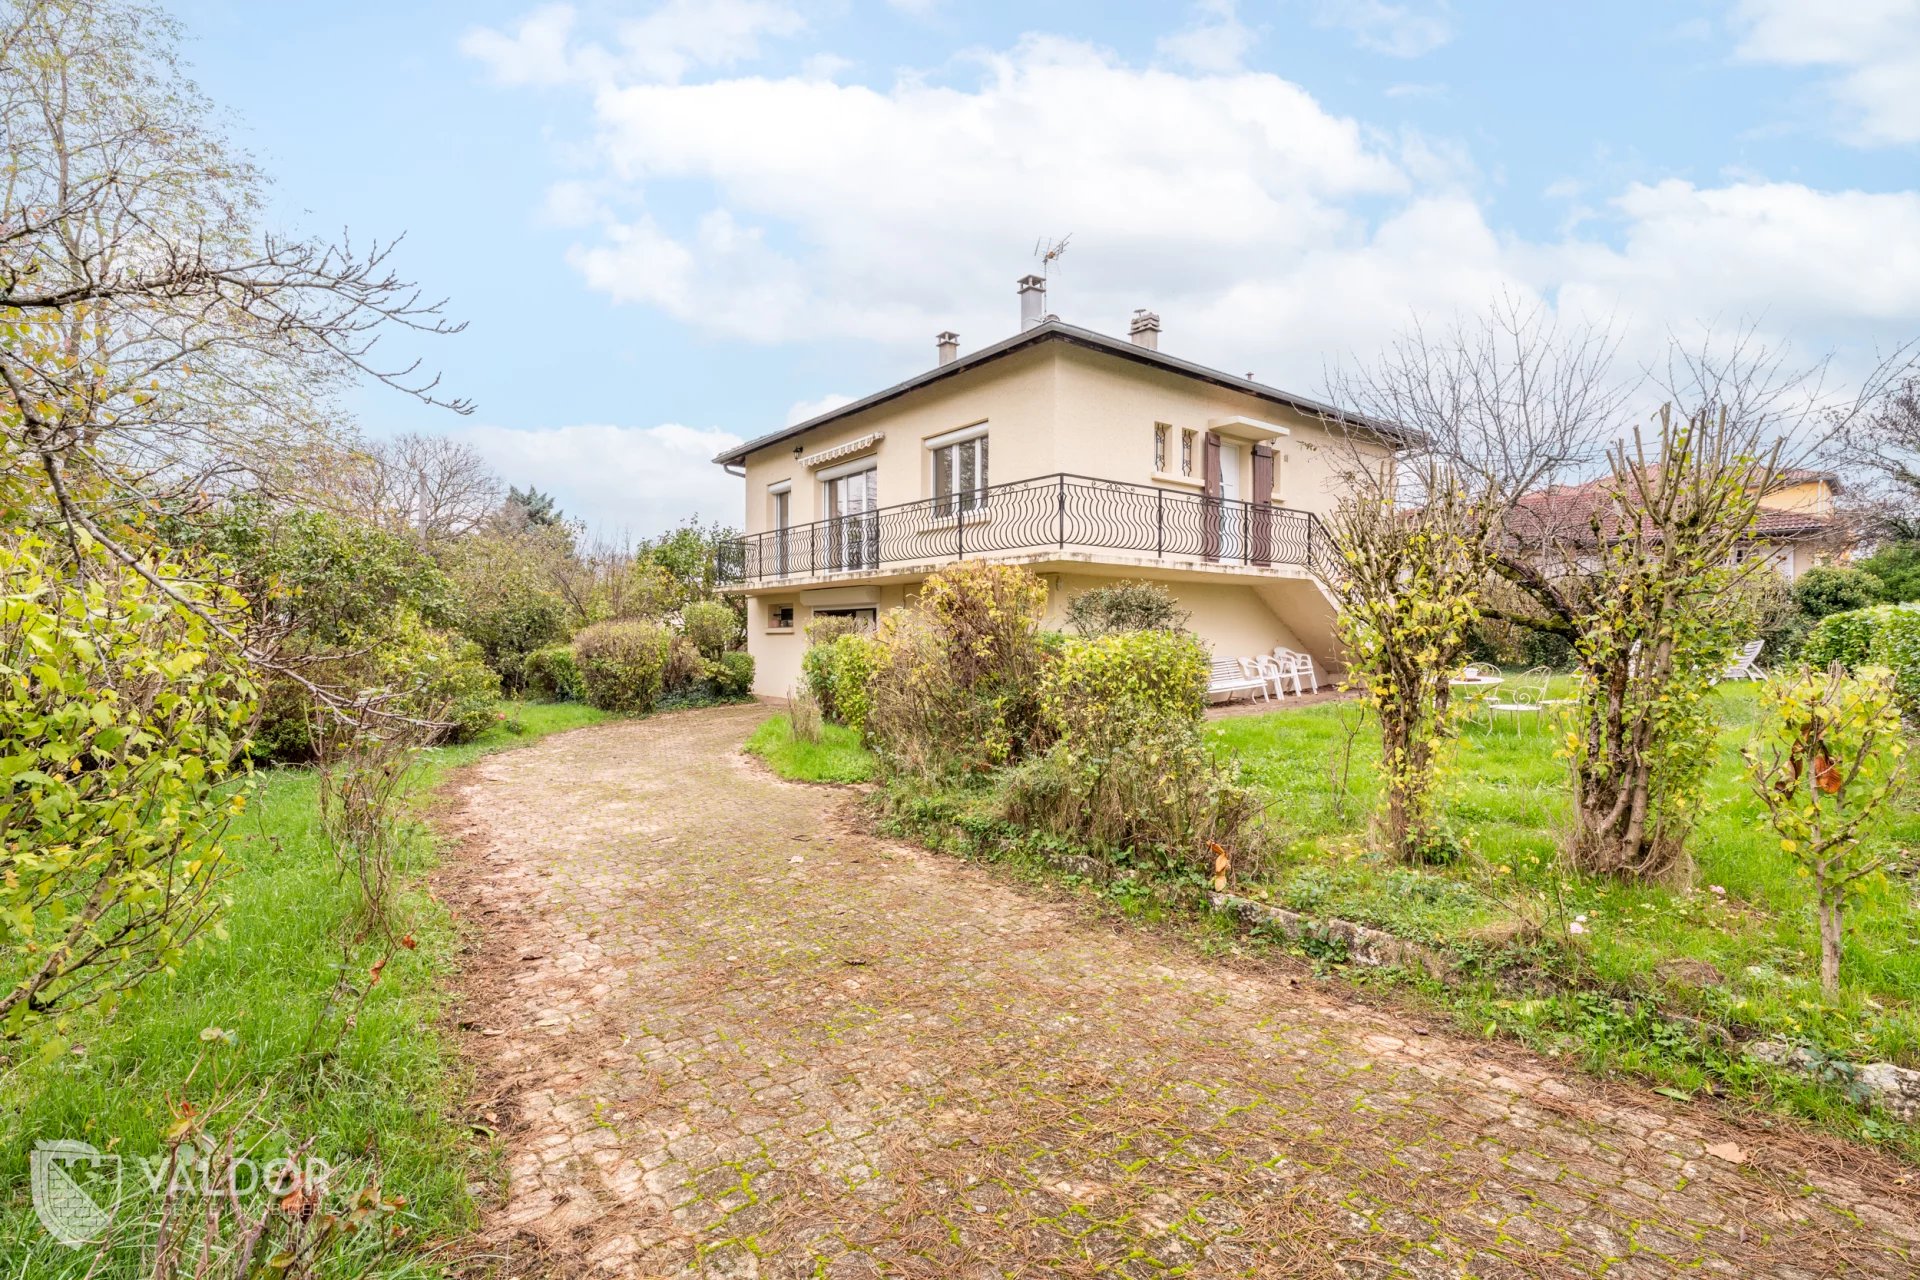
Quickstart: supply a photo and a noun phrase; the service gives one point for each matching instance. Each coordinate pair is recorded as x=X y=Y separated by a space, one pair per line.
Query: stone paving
x=725 y=1033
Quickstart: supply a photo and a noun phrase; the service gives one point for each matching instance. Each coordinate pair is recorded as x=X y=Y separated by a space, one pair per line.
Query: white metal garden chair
x=1301 y=664
x=1524 y=696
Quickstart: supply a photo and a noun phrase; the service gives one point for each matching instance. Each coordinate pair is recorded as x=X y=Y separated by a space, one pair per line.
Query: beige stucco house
x=1086 y=457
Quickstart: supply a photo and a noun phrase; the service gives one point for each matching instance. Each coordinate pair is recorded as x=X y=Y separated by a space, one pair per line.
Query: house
x=1795 y=529
x=1085 y=457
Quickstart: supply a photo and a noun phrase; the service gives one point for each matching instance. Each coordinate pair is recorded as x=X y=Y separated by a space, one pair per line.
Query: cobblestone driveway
x=725 y=1034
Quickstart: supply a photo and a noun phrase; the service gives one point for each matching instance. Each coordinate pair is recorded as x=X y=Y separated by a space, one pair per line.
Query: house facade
x=1085 y=457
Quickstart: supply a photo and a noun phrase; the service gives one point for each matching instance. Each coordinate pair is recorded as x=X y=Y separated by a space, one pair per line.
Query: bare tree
x=156 y=342
x=1883 y=449
x=431 y=488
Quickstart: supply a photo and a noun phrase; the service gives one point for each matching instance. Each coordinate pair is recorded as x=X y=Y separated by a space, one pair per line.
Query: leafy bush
x=1104 y=689
x=1829 y=589
x=1841 y=638
x=683 y=677
x=122 y=712
x=1160 y=789
x=444 y=677
x=1887 y=635
x=622 y=664
x=1125 y=606
x=552 y=674
x=713 y=627
x=839 y=675
x=732 y=675
x=957 y=687
x=507 y=602
x=828 y=627
x=1897 y=567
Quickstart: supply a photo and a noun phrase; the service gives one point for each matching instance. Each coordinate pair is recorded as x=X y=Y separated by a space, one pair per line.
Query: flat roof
x=1060 y=331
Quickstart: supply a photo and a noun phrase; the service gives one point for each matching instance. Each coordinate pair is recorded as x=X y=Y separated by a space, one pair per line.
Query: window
x=960 y=476
x=1162 y=433
x=780 y=617
x=1186 y=451
x=865 y=617
x=782 y=513
x=854 y=531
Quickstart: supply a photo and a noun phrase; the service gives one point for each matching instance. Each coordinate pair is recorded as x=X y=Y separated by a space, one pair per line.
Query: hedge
x=1886 y=635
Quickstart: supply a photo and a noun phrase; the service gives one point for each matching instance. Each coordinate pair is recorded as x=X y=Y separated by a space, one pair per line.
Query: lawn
x=1735 y=945
x=837 y=757
x=382 y=1095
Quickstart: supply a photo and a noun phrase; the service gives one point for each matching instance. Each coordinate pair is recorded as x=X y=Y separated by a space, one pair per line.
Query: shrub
x=122 y=712
x=713 y=627
x=1104 y=689
x=1829 y=589
x=1887 y=635
x=447 y=678
x=840 y=675
x=552 y=674
x=732 y=675
x=622 y=664
x=1841 y=638
x=1125 y=606
x=1897 y=567
x=803 y=715
x=956 y=689
x=506 y=599
x=684 y=674
x=1159 y=790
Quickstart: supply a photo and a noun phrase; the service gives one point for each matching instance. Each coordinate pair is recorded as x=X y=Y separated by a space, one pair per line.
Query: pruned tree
x=1474 y=416
x=155 y=342
x=1825 y=761
x=1409 y=585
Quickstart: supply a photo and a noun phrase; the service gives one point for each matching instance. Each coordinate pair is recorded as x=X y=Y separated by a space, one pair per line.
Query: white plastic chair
x=1276 y=674
x=1300 y=664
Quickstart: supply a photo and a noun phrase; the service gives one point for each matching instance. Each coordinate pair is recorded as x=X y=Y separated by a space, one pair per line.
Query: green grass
x=382 y=1099
x=1507 y=802
x=837 y=757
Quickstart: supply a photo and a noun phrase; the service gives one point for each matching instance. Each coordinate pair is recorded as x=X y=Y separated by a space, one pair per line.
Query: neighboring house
x=1084 y=457
x=1795 y=530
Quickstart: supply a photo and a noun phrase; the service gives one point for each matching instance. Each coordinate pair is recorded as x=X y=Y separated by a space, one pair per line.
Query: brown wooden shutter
x=1210 y=508
x=1260 y=523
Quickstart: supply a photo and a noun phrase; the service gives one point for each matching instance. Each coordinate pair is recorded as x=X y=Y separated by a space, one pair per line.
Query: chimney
x=949 y=346
x=1145 y=330
x=1033 y=301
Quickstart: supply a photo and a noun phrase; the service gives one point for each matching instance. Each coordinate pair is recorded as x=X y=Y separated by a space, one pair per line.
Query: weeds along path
x=724 y=1033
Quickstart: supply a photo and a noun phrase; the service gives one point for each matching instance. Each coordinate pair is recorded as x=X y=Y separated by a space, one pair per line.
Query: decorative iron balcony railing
x=1065 y=513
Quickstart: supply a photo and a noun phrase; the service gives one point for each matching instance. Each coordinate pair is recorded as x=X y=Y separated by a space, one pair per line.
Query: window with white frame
x=960 y=471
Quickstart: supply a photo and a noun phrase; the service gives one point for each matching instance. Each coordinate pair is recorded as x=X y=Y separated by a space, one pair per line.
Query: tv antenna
x=1050 y=252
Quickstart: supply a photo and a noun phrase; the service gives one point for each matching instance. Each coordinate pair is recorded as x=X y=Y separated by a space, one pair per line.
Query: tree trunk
x=1829 y=910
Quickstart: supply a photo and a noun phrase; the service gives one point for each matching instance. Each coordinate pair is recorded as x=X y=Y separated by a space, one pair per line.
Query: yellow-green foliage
x=839 y=675
x=1825 y=763
x=957 y=689
x=122 y=712
x=1099 y=689
x=712 y=626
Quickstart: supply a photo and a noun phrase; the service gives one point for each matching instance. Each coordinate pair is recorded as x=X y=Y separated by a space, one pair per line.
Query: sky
x=673 y=224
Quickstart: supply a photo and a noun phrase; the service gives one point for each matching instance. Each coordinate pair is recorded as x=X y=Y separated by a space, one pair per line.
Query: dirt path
x=724 y=1034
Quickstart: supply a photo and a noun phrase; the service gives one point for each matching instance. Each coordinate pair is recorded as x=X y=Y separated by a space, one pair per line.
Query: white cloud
x=1270 y=233
x=1397 y=30
x=1872 y=46
x=620 y=480
x=664 y=44
x=1215 y=41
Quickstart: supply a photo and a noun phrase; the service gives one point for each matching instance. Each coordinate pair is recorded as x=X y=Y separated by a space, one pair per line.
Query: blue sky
x=671 y=224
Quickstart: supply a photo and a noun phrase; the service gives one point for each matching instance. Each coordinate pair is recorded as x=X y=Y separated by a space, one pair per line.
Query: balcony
x=1060 y=515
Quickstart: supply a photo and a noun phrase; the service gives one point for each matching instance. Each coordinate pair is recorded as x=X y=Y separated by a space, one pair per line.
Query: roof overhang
x=1387 y=433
